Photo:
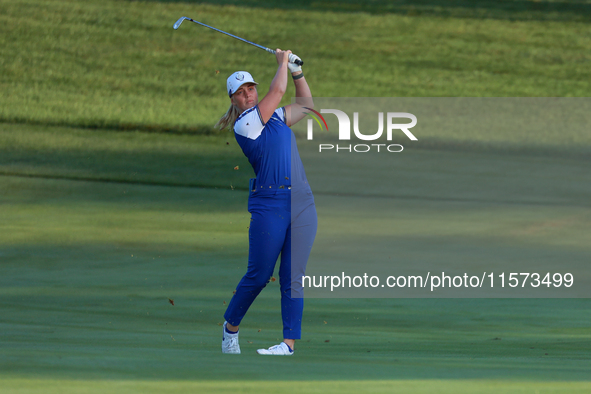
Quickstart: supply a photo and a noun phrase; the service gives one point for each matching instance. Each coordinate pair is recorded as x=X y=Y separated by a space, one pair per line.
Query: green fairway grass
x=388 y=386
x=88 y=270
x=132 y=157
x=118 y=199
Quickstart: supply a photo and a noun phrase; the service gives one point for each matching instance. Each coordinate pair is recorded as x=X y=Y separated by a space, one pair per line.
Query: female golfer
x=283 y=215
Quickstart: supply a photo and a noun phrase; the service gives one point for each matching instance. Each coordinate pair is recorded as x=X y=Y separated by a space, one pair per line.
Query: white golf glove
x=291 y=65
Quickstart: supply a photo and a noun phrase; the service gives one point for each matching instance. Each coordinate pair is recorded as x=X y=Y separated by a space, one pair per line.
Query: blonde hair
x=229 y=118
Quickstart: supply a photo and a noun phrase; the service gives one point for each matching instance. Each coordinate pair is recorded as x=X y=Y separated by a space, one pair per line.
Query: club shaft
x=233 y=36
x=178 y=24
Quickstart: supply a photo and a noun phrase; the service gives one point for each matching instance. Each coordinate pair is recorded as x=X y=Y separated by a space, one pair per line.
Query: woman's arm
x=270 y=102
x=296 y=112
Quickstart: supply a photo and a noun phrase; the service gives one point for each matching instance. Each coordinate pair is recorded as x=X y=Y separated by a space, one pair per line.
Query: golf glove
x=291 y=65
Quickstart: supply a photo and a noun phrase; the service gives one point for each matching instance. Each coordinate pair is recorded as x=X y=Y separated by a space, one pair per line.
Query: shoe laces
x=282 y=347
x=232 y=341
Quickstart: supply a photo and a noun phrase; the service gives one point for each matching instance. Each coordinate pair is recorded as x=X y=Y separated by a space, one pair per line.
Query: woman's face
x=245 y=97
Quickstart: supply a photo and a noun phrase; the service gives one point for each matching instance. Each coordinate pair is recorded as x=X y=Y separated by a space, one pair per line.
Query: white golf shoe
x=230 y=342
x=278 y=350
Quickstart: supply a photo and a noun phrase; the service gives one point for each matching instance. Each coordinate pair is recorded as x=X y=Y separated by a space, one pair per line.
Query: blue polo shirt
x=270 y=148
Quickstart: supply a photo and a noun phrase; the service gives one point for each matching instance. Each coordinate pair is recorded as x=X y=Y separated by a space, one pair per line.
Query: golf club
x=292 y=58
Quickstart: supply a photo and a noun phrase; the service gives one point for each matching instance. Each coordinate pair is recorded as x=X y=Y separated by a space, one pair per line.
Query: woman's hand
x=282 y=56
x=293 y=66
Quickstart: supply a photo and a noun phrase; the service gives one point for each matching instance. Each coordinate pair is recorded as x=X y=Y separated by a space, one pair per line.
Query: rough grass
x=120 y=65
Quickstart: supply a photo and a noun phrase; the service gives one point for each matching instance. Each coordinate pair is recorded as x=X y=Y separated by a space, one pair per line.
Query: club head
x=178 y=23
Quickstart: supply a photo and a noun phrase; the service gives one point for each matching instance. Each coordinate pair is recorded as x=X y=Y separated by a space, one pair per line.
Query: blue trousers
x=282 y=223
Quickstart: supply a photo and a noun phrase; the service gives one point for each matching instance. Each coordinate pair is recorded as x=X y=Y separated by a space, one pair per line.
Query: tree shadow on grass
x=519 y=10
